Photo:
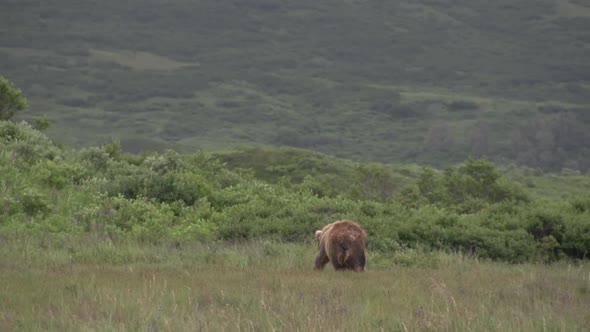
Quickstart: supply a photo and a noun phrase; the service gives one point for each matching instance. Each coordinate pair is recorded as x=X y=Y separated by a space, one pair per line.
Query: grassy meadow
x=68 y=283
x=177 y=156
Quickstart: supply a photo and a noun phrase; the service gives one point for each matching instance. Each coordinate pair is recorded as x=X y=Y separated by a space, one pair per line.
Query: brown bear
x=342 y=243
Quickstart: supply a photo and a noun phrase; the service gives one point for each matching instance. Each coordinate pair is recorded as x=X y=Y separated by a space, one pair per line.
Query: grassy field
x=74 y=284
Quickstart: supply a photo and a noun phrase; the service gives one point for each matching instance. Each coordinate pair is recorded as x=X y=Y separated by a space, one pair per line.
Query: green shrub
x=512 y=246
x=95 y=159
x=144 y=220
x=468 y=188
x=166 y=163
x=439 y=229
x=186 y=187
x=191 y=228
x=546 y=223
x=34 y=202
x=26 y=145
x=581 y=204
x=576 y=236
x=53 y=174
x=11 y=99
x=126 y=179
x=8 y=206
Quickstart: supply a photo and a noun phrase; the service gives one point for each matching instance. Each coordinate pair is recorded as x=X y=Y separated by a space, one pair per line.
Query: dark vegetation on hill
x=421 y=81
x=284 y=195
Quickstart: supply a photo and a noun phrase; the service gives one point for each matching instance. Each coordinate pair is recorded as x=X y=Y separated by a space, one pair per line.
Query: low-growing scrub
x=178 y=198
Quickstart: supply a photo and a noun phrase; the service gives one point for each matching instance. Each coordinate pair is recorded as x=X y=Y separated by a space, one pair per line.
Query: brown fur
x=342 y=243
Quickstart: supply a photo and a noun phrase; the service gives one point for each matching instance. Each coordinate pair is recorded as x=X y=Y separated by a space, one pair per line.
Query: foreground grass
x=74 y=283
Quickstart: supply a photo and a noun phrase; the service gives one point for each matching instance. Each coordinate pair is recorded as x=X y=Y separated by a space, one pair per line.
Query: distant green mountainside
x=419 y=81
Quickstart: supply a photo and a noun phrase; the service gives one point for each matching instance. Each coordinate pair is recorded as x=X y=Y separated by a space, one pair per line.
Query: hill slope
x=419 y=81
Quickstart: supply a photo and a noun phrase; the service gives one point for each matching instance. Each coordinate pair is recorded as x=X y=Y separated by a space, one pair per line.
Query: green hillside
x=393 y=81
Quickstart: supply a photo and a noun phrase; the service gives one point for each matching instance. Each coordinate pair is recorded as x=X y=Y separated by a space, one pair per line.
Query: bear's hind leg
x=321 y=259
x=337 y=266
x=339 y=260
x=356 y=263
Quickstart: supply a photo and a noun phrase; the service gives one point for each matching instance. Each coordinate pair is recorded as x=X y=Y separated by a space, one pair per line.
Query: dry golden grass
x=74 y=285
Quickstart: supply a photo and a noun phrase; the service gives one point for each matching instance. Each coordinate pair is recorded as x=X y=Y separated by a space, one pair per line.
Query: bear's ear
x=318 y=233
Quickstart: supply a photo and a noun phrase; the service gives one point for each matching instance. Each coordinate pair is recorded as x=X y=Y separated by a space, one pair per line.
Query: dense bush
x=470 y=208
